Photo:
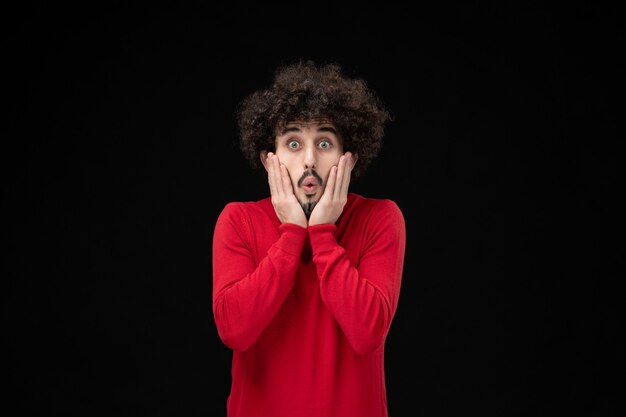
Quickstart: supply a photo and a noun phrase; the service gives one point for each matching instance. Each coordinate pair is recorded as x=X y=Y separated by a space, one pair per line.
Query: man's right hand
x=286 y=205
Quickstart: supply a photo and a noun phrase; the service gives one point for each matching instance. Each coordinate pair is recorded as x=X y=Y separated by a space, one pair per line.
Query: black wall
x=119 y=151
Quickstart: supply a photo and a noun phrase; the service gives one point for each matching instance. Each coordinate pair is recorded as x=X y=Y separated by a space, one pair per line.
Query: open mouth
x=310 y=185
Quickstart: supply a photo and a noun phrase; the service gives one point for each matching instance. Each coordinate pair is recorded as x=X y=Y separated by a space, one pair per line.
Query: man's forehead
x=308 y=124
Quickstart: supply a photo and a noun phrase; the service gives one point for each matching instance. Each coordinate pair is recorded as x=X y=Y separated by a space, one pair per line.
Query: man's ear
x=263 y=157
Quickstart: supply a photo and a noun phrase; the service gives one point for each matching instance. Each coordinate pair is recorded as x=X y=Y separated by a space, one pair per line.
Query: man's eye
x=324 y=144
x=292 y=144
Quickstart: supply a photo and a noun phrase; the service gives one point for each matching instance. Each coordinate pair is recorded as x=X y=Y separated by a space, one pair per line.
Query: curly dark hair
x=305 y=92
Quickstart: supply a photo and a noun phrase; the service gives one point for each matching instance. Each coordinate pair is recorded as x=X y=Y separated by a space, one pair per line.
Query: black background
x=119 y=151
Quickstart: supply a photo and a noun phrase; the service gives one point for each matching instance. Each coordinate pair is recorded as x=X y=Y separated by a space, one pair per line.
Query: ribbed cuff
x=292 y=238
x=322 y=237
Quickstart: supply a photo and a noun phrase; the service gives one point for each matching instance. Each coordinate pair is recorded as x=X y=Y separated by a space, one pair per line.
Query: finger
x=345 y=180
x=285 y=180
x=343 y=172
x=340 y=173
x=270 y=175
x=276 y=177
x=280 y=185
x=329 y=191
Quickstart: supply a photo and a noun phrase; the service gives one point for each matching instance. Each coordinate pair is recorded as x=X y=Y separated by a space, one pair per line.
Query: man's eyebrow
x=290 y=129
x=327 y=129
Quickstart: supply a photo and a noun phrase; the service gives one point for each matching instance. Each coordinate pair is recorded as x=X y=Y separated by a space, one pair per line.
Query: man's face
x=309 y=150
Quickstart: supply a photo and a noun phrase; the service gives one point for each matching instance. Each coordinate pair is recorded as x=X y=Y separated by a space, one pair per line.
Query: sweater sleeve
x=246 y=296
x=363 y=298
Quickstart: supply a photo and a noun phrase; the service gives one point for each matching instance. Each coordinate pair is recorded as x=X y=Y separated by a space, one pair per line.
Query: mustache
x=310 y=173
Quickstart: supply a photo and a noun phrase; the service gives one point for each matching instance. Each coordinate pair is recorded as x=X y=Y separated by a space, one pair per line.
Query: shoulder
x=235 y=207
x=242 y=211
x=377 y=219
x=376 y=207
x=372 y=214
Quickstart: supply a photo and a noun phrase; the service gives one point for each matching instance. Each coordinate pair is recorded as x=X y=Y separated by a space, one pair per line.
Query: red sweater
x=307 y=311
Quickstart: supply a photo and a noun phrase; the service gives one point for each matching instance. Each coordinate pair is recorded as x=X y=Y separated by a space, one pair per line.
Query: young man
x=306 y=281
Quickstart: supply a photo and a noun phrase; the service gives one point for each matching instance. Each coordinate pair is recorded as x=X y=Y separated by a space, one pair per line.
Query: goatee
x=308 y=208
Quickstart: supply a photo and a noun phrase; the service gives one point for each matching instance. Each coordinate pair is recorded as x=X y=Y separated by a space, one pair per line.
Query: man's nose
x=309 y=158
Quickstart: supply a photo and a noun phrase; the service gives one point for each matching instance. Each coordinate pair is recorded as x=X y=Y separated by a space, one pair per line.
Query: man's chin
x=304 y=197
x=308 y=208
x=308 y=202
